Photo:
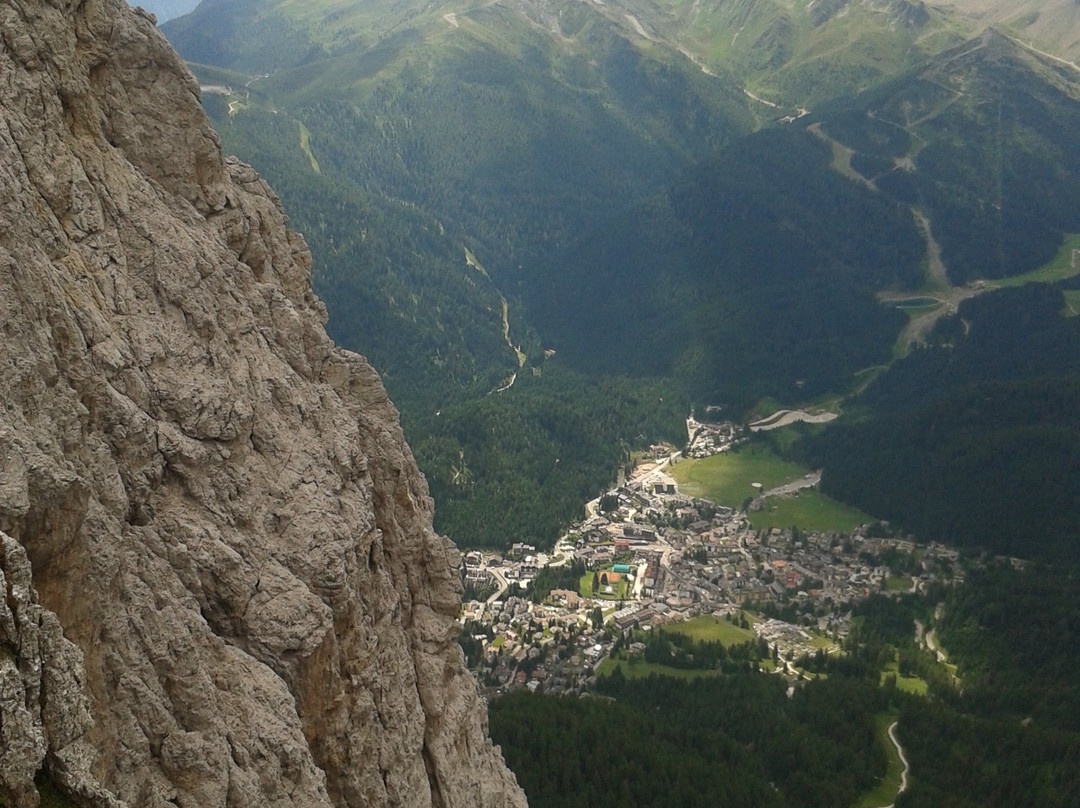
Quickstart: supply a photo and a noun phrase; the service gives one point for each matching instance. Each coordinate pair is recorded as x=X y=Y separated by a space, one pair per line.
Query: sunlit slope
x=792 y=53
x=1050 y=25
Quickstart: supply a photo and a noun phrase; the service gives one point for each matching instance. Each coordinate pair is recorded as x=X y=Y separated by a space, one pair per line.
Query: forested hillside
x=997 y=729
x=985 y=141
x=735 y=740
x=429 y=193
x=753 y=275
x=973 y=440
x=555 y=228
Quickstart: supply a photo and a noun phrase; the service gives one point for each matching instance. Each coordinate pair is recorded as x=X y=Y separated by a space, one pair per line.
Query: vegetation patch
x=908 y=684
x=595 y=585
x=1064 y=265
x=305 y=147
x=1072 y=303
x=809 y=510
x=898 y=583
x=712 y=629
x=727 y=478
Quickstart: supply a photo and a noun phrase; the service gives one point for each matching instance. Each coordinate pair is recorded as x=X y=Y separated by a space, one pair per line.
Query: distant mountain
x=1052 y=25
x=166 y=10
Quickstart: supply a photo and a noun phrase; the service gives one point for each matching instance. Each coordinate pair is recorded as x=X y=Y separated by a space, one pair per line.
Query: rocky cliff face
x=221 y=582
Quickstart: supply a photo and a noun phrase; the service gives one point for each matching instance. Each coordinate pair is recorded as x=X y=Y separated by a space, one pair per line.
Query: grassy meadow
x=711 y=629
x=726 y=479
x=809 y=510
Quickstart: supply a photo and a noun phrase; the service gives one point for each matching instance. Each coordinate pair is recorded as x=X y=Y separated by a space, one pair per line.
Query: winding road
x=903 y=759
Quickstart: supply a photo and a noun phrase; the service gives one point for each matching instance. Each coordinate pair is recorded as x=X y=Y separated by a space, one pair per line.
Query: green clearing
x=908 y=684
x=305 y=147
x=620 y=592
x=783 y=438
x=585 y=585
x=1072 y=303
x=809 y=510
x=209 y=74
x=712 y=629
x=885 y=791
x=639 y=669
x=898 y=583
x=764 y=408
x=1058 y=268
x=725 y=478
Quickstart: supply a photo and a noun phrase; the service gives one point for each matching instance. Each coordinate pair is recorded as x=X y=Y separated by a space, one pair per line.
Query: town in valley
x=646 y=557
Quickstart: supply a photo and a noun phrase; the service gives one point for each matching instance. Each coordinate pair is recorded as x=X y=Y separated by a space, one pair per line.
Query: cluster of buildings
x=661 y=557
x=705 y=439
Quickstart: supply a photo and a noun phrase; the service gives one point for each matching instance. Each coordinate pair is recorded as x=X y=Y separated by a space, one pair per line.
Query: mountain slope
x=1052 y=25
x=217 y=504
x=982 y=139
x=517 y=178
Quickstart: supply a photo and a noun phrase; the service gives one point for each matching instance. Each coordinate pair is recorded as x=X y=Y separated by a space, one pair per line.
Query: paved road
x=503 y=585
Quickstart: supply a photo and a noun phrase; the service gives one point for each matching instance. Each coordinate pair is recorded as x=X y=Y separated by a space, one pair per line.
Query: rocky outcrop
x=236 y=597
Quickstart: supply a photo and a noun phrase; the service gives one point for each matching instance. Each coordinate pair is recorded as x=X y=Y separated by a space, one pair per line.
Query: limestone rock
x=236 y=597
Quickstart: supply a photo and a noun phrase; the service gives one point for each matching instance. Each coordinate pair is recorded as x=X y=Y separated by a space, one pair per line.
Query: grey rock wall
x=236 y=596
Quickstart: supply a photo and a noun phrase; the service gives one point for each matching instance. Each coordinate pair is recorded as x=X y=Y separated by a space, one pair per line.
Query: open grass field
x=639 y=669
x=885 y=791
x=1072 y=303
x=725 y=478
x=908 y=684
x=620 y=591
x=1057 y=268
x=305 y=147
x=712 y=629
x=810 y=510
x=898 y=583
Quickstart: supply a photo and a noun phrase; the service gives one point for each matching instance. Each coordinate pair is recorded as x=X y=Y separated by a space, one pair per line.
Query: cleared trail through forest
x=903 y=760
